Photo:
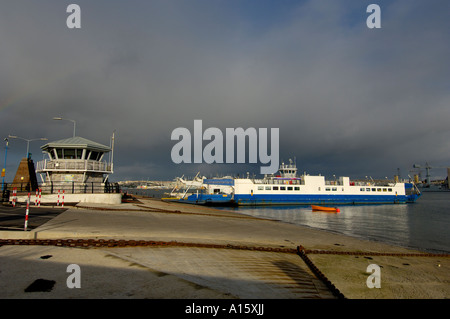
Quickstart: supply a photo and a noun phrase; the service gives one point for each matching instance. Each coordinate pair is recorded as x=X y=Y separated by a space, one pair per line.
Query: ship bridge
x=288 y=170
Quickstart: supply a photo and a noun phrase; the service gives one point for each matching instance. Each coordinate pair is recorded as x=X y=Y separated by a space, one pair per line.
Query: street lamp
x=74 y=123
x=4 y=168
x=28 y=141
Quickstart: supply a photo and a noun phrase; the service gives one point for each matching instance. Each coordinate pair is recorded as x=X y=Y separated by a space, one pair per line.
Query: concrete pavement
x=190 y=272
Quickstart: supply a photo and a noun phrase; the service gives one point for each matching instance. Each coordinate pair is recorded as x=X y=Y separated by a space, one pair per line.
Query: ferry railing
x=279 y=181
x=385 y=183
x=337 y=183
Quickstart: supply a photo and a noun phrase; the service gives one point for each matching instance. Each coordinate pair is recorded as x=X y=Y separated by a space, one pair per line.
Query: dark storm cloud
x=347 y=99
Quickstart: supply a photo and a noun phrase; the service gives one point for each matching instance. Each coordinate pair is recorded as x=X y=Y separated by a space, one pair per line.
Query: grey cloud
x=347 y=100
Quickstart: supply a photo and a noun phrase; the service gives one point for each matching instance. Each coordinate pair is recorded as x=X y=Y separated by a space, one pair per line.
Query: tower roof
x=77 y=142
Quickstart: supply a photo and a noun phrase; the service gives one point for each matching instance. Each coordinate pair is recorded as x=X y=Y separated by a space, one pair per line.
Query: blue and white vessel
x=287 y=188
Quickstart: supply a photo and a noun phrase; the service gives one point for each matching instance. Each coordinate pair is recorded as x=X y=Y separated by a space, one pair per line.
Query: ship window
x=260 y=188
x=282 y=188
x=367 y=189
x=390 y=189
x=296 y=188
x=327 y=189
x=289 y=188
x=378 y=189
x=334 y=189
x=275 y=188
x=268 y=188
x=374 y=189
x=384 y=190
x=361 y=189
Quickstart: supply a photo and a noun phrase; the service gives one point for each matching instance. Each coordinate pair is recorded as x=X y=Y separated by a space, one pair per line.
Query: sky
x=348 y=100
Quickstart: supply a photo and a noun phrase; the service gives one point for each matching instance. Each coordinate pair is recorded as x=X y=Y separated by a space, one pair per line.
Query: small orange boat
x=325 y=209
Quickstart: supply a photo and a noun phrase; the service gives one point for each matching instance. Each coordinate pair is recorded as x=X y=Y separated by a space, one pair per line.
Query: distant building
x=76 y=165
x=25 y=178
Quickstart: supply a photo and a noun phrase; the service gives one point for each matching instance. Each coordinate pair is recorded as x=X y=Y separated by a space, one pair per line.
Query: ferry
x=286 y=188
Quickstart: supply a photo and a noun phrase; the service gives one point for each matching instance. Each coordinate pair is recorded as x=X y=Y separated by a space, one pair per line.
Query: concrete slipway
x=207 y=273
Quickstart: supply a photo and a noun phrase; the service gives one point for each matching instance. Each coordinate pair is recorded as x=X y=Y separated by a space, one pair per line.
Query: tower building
x=76 y=165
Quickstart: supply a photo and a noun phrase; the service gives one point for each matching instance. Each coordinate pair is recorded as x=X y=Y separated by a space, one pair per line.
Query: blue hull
x=322 y=199
x=220 y=199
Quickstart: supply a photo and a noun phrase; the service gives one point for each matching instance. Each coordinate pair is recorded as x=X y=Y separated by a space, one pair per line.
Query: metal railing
x=73 y=165
x=279 y=181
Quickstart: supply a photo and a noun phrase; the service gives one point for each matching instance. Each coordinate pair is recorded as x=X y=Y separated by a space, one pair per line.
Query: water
x=424 y=225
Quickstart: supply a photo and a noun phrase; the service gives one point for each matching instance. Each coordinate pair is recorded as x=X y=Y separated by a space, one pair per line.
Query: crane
x=427 y=168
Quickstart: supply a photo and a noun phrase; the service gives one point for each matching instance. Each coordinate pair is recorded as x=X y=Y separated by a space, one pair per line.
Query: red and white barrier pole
x=63 y=200
x=36 y=199
x=27 y=211
x=39 y=202
x=57 y=204
x=14 y=197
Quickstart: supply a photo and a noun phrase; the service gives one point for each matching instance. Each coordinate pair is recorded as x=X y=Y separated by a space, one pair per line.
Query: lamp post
x=28 y=141
x=74 y=123
x=4 y=168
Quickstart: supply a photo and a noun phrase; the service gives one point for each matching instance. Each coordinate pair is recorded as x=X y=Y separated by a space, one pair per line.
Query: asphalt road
x=13 y=218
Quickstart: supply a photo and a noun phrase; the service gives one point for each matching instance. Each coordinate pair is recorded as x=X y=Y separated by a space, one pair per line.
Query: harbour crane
x=427 y=168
